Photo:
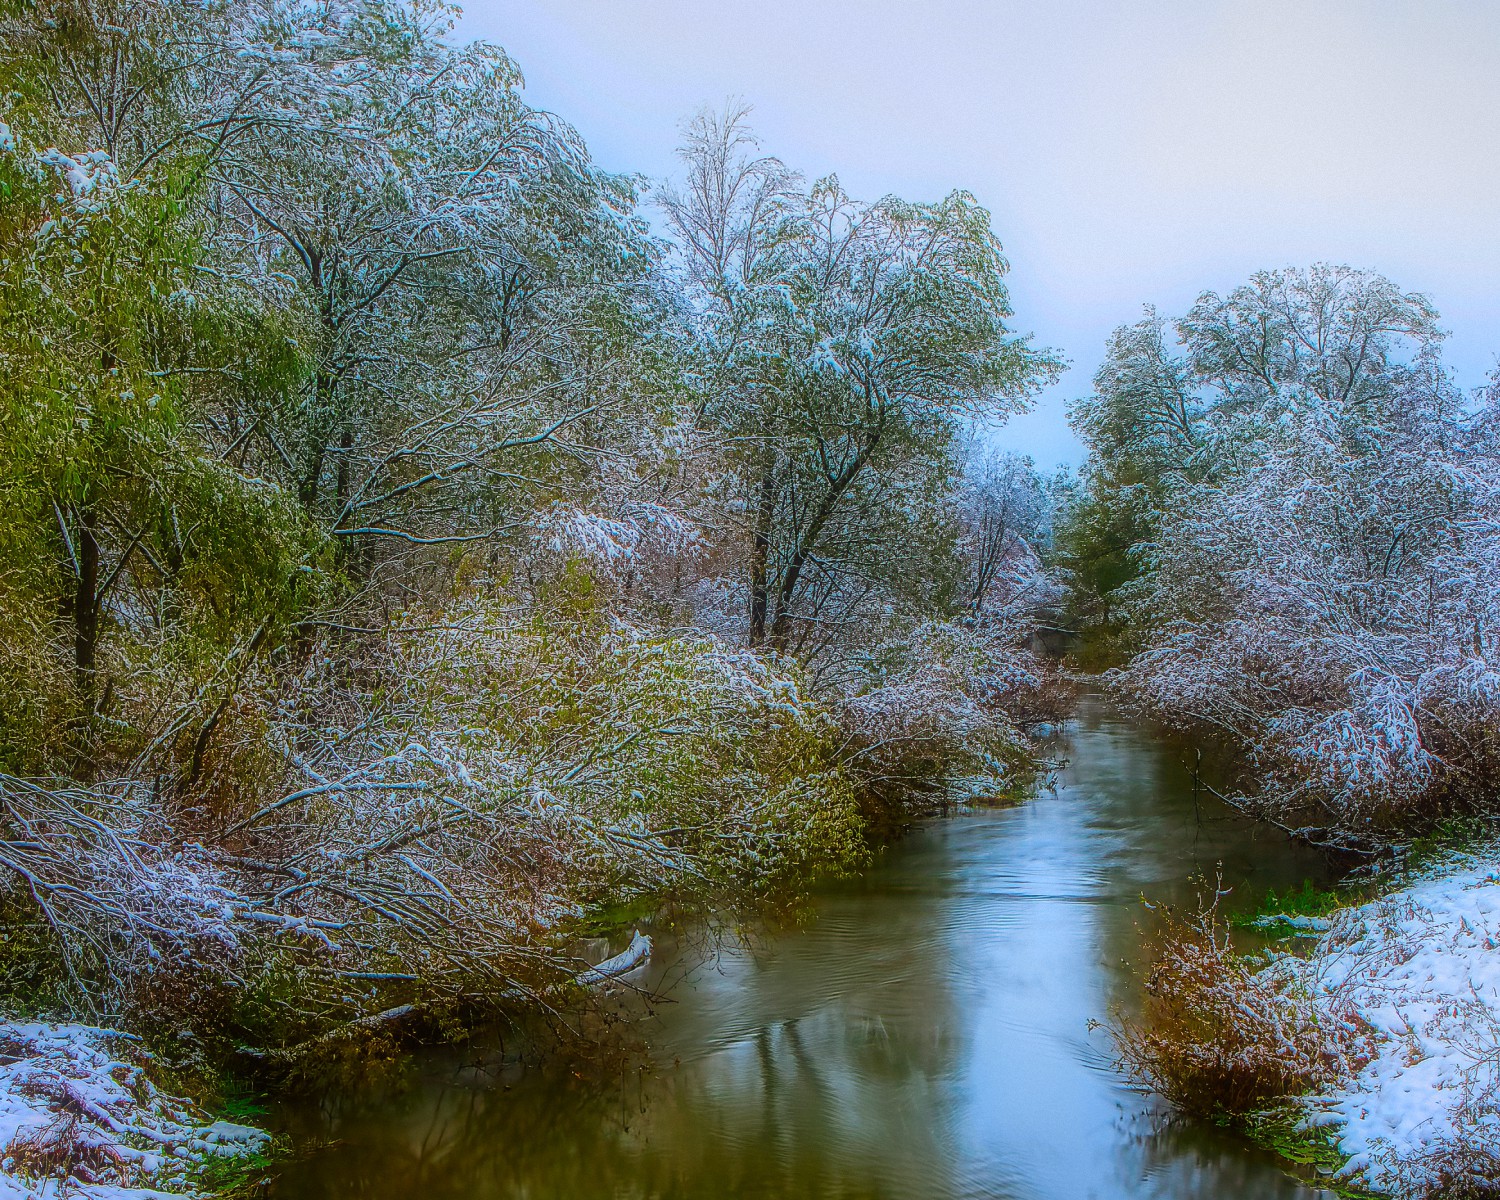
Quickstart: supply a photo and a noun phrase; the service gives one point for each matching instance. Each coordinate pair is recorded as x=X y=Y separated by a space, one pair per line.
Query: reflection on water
x=925 y=1035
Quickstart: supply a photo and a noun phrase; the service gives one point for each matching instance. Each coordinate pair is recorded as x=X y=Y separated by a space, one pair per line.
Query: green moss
x=241 y=1103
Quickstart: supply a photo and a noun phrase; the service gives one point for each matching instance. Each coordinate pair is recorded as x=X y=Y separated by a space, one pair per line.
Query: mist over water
x=924 y=1034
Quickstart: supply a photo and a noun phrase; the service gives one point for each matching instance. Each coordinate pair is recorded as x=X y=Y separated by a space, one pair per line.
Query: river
x=925 y=1033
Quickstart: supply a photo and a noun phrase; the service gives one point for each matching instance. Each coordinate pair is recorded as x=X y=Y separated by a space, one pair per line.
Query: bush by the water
x=1219 y=1035
x=1376 y=1049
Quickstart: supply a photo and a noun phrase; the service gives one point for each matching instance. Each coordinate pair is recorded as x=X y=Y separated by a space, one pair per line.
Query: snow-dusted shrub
x=1383 y=1039
x=1334 y=616
x=449 y=798
x=1218 y=1037
x=81 y=1116
x=624 y=540
x=948 y=707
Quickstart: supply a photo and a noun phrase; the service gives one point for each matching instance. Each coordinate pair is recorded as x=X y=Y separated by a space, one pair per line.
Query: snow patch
x=1422 y=966
x=80 y=1117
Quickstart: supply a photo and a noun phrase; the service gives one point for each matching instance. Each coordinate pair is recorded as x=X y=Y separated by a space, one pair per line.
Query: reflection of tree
x=1162 y=1155
x=923 y=1037
x=815 y=1069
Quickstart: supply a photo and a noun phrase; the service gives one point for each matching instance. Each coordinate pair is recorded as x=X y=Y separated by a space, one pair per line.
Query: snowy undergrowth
x=1374 y=1055
x=79 y=1116
x=1422 y=967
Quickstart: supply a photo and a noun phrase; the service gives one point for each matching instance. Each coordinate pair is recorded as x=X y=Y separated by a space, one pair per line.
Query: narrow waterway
x=925 y=1034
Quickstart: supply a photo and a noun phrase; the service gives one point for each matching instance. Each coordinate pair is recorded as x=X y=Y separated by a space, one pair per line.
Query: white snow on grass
x=1422 y=966
x=79 y=1117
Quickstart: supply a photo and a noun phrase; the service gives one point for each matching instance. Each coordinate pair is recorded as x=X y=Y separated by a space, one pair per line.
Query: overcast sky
x=1131 y=152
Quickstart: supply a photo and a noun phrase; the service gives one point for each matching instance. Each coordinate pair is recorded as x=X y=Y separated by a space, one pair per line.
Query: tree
x=112 y=509
x=1320 y=590
x=732 y=222
x=1162 y=422
x=1006 y=510
x=849 y=342
x=461 y=259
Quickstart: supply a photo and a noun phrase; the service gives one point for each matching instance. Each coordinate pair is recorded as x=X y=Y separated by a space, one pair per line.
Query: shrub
x=946 y=709
x=438 y=807
x=1217 y=1037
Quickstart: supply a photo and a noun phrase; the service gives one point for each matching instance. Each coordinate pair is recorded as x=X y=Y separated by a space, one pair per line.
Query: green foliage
x=1096 y=543
x=1312 y=1152
x=33 y=976
x=1307 y=901
x=120 y=526
x=679 y=733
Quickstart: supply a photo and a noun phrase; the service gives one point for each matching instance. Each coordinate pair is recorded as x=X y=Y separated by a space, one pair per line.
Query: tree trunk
x=86 y=641
x=309 y=486
x=86 y=605
x=807 y=543
x=760 y=554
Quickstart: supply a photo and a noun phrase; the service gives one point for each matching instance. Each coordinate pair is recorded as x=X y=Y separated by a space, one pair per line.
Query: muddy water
x=925 y=1034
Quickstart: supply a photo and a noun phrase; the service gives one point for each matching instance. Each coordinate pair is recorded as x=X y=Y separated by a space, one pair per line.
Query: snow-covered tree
x=848 y=343
x=1319 y=585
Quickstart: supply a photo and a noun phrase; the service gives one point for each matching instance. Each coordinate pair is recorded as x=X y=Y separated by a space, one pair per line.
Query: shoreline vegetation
x=420 y=547
x=418 y=541
x=1369 y=1055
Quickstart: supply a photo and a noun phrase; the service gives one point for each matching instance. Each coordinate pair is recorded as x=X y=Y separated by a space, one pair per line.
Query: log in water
x=925 y=1034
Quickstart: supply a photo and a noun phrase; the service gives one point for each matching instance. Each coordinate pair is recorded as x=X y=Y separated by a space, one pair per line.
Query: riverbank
x=1420 y=967
x=83 y=1113
x=1372 y=1052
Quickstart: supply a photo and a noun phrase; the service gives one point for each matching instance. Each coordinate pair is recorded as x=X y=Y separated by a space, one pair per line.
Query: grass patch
x=1307 y=901
x=236 y=1177
x=1312 y=1154
x=1454 y=835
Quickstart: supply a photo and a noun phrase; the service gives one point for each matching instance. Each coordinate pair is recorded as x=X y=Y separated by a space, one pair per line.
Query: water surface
x=925 y=1034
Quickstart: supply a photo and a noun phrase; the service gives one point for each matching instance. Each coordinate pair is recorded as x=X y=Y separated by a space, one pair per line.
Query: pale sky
x=1131 y=152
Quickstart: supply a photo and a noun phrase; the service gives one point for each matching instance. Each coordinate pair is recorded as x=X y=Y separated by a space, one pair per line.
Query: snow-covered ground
x=1422 y=967
x=79 y=1117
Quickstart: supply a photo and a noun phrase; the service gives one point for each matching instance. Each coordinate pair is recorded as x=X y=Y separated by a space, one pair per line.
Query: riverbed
x=924 y=1032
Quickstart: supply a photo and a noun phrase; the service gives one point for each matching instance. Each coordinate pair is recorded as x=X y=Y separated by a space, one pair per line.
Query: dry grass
x=1217 y=1037
x=65 y=1148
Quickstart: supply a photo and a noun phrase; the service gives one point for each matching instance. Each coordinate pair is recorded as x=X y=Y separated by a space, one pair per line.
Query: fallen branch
x=622 y=963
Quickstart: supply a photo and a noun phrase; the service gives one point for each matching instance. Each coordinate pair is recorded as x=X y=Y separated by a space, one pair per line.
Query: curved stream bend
x=925 y=1035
